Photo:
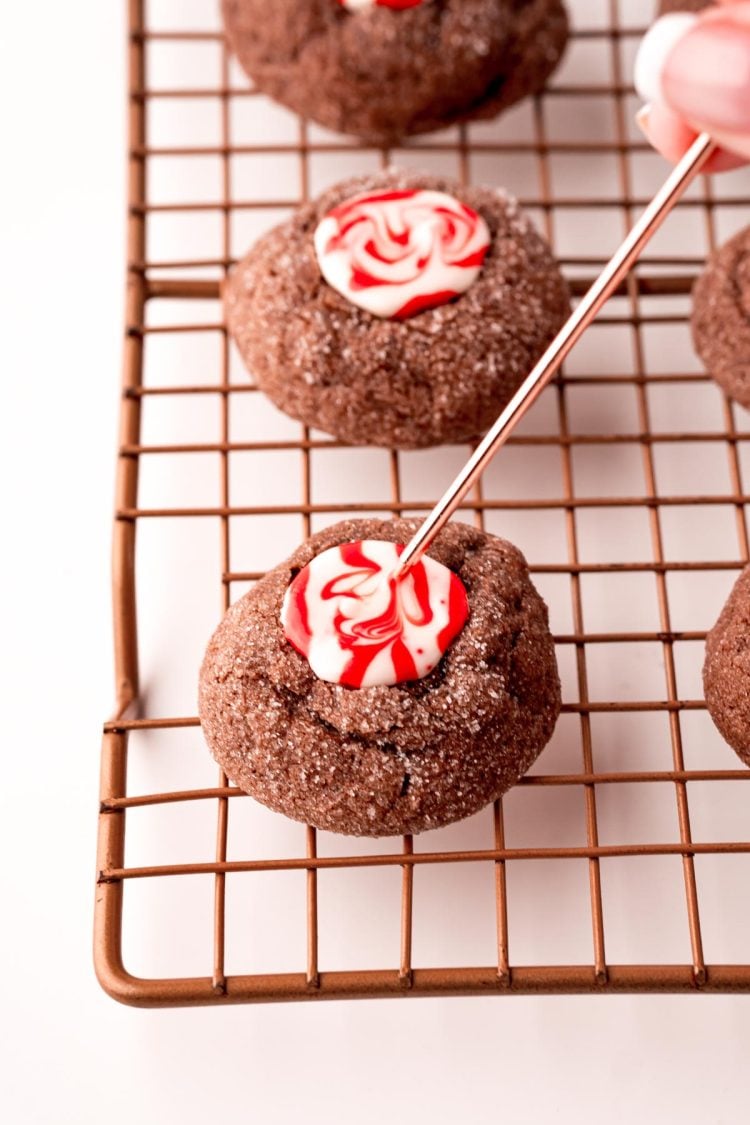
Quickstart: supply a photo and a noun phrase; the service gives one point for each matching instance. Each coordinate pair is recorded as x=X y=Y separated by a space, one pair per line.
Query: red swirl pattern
x=359 y=627
x=396 y=253
x=360 y=5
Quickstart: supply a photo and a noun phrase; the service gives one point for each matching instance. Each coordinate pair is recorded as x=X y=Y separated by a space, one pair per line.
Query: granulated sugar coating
x=382 y=74
x=382 y=761
x=721 y=316
x=726 y=671
x=440 y=376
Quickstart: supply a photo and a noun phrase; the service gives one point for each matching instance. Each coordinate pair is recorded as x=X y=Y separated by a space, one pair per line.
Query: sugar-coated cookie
x=721 y=316
x=391 y=758
x=399 y=309
x=726 y=671
x=385 y=69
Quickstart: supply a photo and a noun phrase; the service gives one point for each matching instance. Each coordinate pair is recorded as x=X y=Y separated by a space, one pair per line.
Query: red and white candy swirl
x=359 y=627
x=395 y=253
x=361 y=5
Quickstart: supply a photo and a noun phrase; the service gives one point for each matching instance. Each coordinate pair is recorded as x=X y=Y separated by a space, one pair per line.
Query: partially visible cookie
x=666 y=6
x=726 y=671
x=383 y=70
x=721 y=317
x=385 y=760
x=440 y=375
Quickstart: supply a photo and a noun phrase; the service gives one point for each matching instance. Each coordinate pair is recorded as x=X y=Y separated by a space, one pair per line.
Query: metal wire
x=149 y=281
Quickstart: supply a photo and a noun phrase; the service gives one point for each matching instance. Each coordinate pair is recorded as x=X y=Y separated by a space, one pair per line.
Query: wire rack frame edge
x=404 y=979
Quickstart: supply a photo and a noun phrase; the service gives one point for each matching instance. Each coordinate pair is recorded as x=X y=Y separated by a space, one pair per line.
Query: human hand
x=702 y=75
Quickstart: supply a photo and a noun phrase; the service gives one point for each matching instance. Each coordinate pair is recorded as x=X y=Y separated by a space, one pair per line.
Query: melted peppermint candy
x=395 y=253
x=360 y=5
x=357 y=626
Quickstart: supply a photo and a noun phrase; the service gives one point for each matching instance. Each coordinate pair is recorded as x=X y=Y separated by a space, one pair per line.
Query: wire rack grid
x=620 y=862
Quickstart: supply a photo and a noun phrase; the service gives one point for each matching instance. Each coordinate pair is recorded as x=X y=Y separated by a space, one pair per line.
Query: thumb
x=706 y=78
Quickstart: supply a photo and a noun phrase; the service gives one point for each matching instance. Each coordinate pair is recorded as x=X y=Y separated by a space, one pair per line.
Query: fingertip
x=733 y=152
x=654 y=51
x=667 y=132
x=672 y=137
x=669 y=61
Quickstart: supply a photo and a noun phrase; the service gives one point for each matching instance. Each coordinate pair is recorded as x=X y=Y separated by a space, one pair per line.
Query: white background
x=69 y=1053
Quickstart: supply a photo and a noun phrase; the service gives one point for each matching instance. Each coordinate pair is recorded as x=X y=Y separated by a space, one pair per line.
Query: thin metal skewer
x=672 y=190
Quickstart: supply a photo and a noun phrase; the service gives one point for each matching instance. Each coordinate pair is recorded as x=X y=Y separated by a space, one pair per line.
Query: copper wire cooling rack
x=625 y=490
